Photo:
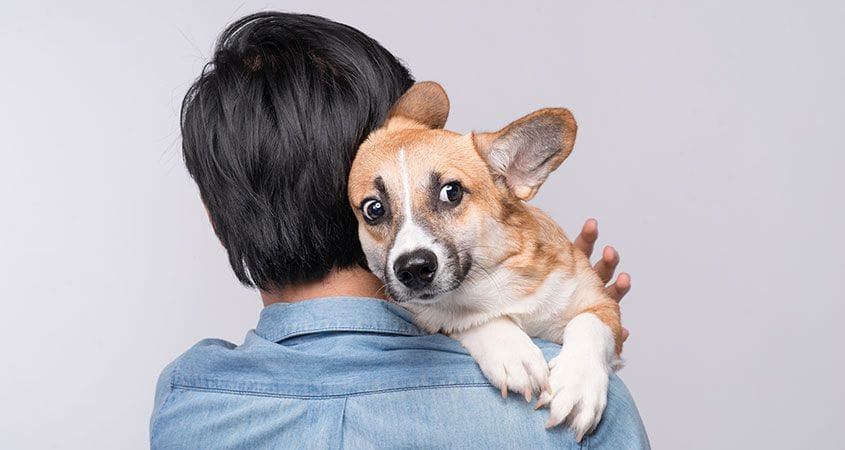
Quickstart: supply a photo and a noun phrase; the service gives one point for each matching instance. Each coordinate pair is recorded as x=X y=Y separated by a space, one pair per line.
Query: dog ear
x=525 y=152
x=424 y=105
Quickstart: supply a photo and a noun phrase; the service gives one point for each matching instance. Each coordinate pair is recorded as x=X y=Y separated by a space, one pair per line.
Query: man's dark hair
x=269 y=131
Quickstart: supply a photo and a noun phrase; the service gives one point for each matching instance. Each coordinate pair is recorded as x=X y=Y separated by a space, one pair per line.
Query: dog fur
x=505 y=271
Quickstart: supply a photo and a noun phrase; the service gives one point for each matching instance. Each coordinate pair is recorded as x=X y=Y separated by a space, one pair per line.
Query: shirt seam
x=330 y=396
x=171 y=384
x=299 y=332
x=342 y=423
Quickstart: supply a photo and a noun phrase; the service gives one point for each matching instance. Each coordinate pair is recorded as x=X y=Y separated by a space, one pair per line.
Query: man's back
x=355 y=373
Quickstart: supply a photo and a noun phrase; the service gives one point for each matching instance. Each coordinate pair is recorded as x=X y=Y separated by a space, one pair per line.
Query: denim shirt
x=349 y=372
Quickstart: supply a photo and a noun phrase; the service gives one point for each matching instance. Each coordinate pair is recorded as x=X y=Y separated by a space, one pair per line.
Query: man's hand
x=606 y=266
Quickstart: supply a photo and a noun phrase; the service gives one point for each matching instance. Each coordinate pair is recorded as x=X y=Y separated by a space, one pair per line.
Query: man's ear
x=424 y=105
x=525 y=152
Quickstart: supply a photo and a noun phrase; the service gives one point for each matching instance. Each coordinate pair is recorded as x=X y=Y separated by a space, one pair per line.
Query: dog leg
x=579 y=375
x=507 y=356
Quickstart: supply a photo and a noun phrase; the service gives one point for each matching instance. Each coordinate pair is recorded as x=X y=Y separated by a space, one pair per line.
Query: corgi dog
x=444 y=224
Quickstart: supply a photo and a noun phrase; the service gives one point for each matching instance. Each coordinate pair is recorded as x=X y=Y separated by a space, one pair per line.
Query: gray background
x=710 y=148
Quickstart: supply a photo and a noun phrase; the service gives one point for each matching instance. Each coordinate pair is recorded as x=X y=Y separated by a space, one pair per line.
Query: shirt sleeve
x=163 y=390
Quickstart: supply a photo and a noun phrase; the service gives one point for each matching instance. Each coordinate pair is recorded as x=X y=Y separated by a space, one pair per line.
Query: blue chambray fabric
x=347 y=372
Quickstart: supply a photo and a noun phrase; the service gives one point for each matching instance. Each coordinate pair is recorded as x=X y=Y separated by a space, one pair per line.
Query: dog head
x=432 y=204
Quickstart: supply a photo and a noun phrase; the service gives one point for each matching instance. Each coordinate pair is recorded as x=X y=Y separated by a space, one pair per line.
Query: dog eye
x=451 y=192
x=372 y=209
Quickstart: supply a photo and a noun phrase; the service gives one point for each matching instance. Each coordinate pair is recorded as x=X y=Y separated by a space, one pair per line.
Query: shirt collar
x=280 y=321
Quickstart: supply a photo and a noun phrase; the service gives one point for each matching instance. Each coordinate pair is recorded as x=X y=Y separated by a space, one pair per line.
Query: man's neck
x=354 y=282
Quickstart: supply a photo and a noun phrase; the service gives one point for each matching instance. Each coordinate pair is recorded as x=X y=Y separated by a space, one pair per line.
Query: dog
x=444 y=224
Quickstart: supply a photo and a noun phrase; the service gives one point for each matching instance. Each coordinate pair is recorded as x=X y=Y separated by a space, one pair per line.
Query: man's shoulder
x=167 y=378
x=327 y=364
x=323 y=365
x=414 y=383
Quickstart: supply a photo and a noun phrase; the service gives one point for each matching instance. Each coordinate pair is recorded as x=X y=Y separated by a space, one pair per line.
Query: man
x=269 y=132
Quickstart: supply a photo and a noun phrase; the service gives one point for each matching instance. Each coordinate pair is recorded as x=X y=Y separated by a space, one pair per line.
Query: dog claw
x=579 y=437
x=527 y=395
x=504 y=391
x=542 y=400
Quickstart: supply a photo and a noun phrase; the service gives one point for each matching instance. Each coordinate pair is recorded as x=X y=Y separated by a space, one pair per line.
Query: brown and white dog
x=444 y=223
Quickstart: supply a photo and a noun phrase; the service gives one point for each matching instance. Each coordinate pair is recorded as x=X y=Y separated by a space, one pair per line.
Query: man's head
x=269 y=133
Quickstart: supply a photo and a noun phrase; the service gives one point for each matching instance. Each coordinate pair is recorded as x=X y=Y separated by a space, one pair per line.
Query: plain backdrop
x=710 y=148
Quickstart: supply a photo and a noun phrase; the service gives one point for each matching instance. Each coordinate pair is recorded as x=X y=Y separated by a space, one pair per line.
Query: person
x=269 y=132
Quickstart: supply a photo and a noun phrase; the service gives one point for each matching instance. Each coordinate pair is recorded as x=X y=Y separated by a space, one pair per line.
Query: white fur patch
x=580 y=374
x=407 y=197
x=507 y=356
x=487 y=295
x=411 y=236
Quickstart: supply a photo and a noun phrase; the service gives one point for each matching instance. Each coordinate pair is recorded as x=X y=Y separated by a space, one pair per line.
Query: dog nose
x=416 y=269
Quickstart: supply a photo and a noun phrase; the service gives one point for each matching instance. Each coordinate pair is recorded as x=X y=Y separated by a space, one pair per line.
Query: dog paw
x=507 y=356
x=578 y=393
x=517 y=366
